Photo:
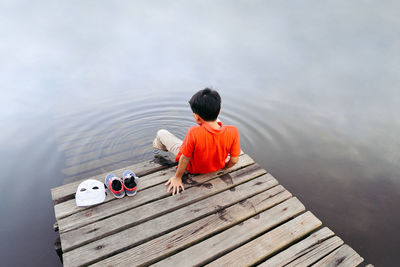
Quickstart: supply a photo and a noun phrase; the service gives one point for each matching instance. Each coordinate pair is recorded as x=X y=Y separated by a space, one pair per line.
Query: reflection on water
x=311 y=87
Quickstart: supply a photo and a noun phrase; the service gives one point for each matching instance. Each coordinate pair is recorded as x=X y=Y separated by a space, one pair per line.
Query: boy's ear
x=197 y=118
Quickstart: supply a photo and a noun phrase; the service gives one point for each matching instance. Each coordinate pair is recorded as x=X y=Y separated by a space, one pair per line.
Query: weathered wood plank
x=178 y=218
x=94 y=172
x=192 y=233
x=295 y=255
x=113 y=166
x=79 y=174
x=65 y=192
x=69 y=207
x=55 y=226
x=270 y=242
x=151 y=194
x=57 y=247
x=155 y=210
x=97 y=166
x=343 y=256
x=232 y=238
x=317 y=252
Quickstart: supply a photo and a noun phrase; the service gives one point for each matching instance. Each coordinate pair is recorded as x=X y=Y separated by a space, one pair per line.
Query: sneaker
x=129 y=180
x=115 y=185
x=156 y=153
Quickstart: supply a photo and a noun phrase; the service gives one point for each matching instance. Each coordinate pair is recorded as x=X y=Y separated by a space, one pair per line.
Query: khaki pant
x=167 y=141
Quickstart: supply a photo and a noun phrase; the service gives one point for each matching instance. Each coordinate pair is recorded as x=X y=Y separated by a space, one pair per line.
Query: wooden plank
x=80 y=174
x=65 y=207
x=343 y=256
x=317 y=252
x=182 y=237
x=106 y=169
x=232 y=238
x=270 y=242
x=305 y=249
x=165 y=223
x=155 y=209
x=76 y=155
x=111 y=162
x=65 y=192
x=69 y=207
x=55 y=227
x=57 y=247
x=151 y=194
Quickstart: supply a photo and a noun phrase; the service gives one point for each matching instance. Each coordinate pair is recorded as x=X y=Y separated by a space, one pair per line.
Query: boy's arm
x=235 y=150
x=176 y=182
x=232 y=161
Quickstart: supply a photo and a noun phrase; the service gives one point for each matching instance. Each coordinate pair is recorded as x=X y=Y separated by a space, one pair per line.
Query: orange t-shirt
x=208 y=148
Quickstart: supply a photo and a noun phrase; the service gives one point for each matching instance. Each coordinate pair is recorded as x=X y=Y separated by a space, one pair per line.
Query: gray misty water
x=313 y=87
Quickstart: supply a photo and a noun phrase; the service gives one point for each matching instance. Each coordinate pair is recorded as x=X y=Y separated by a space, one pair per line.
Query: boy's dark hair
x=206 y=103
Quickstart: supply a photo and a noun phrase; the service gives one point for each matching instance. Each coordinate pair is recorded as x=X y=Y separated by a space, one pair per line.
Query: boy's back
x=208 y=148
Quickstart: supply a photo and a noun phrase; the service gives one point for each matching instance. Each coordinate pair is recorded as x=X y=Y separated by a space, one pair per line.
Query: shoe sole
x=130 y=194
x=121 y=196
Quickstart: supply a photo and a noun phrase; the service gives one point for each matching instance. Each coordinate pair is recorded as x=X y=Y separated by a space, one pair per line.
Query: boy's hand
x=175 y=183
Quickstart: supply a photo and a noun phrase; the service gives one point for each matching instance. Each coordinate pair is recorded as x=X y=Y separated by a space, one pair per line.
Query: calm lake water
x=313 y=87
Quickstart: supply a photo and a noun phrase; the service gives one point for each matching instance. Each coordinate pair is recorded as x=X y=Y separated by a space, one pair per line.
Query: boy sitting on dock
x=206 y=147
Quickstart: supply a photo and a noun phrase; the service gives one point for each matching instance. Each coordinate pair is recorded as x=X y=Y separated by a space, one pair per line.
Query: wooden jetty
x=236 y=217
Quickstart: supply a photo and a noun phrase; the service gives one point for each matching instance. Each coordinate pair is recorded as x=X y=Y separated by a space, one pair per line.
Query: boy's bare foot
x=157 y=145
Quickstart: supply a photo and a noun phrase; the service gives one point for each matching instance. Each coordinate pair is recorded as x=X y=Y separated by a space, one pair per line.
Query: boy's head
x=206 y=103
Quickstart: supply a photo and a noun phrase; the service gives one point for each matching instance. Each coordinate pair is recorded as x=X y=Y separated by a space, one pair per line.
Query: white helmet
x=90 y=192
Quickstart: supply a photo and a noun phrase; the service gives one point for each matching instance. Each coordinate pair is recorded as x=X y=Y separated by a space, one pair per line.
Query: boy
x=206 y=146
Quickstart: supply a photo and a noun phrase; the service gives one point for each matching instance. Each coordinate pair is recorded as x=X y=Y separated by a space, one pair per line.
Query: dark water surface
x=313 y=87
